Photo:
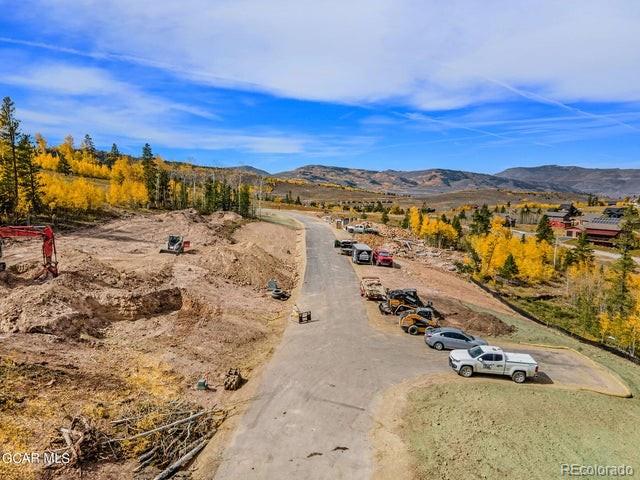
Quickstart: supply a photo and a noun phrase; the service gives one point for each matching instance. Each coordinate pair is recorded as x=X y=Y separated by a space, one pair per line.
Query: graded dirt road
x=313 y=413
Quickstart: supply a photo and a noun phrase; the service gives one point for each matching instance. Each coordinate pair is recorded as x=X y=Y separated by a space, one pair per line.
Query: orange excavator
x=49 y=258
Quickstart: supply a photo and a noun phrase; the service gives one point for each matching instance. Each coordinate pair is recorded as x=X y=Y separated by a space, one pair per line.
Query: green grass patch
x=502 y=430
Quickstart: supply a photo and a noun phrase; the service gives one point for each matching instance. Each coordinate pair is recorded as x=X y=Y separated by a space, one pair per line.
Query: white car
x=493 y=360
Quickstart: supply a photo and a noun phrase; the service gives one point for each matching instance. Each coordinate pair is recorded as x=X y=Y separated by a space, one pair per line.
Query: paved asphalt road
x=312 y=416
x=316 y=392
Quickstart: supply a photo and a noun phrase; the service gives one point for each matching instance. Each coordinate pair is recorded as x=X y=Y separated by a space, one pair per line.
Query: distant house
x=600 y=230
x=560 y=219
x=614 y=212
x=568 y=208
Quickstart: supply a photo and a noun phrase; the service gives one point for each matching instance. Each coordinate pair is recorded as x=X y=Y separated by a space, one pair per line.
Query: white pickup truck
x=355 y=228
x=487 y=359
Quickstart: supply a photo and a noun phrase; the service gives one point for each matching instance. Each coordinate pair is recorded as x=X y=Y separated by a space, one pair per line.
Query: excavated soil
x=123 y=323
x=444 y=289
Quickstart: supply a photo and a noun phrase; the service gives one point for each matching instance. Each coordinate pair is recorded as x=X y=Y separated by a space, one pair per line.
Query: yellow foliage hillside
x=74 y=194
x=533 y=258
x=126 y=188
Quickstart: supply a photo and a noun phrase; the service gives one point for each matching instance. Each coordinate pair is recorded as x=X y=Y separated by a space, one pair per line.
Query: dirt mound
x=115 y=272
x=456 y=314
x=55 y=308
x=247 y=264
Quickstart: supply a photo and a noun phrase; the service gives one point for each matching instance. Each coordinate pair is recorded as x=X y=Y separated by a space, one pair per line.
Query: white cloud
x=65 y=79
x=74 y=99
x=431 y=55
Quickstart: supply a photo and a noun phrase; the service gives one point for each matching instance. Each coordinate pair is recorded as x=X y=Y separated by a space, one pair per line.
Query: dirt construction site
x=123 y=359
x=124 y=326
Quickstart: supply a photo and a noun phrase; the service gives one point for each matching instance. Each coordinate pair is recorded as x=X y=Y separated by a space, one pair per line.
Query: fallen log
x=178 y=464
x=160 y=428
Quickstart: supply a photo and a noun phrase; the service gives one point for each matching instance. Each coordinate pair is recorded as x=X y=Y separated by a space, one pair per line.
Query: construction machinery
x=49 y=256
x=371 y=288
x=176 y=244
x=233 y=379
x=399 y=301
x=418 y=321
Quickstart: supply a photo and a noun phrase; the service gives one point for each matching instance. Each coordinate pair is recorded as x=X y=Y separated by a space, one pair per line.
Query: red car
x=382 y=257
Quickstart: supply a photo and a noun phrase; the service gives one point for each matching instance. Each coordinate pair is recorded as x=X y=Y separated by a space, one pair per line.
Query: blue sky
x=377 y=84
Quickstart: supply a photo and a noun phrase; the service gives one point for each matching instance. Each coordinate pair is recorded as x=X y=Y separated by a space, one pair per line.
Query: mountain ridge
x=600 y=181
x=416 y=182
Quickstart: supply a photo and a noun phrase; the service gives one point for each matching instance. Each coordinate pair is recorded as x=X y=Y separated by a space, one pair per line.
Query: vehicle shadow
x=542 y=379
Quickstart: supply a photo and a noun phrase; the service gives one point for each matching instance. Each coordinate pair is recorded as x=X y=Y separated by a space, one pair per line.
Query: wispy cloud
x=66 y=98
x=448 y=124
x=428 y=54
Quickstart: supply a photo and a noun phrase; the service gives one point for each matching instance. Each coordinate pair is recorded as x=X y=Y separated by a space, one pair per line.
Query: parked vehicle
x=346 y=246
x=382 y=257
x=399 y=301
x=493 y=360
x=355 y=228
x=361 y=253
x=371 y=288
x=451 y=338
x=415 y=322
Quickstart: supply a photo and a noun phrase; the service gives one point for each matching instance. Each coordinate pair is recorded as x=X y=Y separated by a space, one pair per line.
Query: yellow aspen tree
x=415 y=220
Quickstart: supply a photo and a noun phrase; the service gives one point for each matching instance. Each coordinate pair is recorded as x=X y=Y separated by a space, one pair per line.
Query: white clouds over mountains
x=430 y=55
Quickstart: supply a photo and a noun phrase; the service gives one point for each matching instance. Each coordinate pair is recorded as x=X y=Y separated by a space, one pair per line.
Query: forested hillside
x=38 y=178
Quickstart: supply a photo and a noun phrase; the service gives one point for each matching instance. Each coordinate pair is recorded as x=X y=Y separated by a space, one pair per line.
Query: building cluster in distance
x=600 y=228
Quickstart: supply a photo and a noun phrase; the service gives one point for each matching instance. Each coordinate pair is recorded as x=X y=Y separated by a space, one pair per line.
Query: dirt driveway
x=314 y=410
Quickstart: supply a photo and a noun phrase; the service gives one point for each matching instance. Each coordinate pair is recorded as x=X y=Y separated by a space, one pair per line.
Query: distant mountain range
x=616 y=182
x=613 y=182
x=419 y=182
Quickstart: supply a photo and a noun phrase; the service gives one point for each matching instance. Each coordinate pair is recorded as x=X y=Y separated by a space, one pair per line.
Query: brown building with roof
x=560 y=219
x=600 y=230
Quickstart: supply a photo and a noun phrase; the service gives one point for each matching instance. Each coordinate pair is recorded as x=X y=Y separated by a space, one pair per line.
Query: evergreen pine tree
x=225 y=196
x=620 y=300
x=149 y=169
x=113 y=155
x=9 y=134
x=88 y=146
x=405 y=220
x=455 y=223
x=481 y=221
x=63 y=165
x=28 y=174
x=244 y=201
x=163 y=187
x=509 y=270
x=544 y=230
x=385 y=217
x=583 y=253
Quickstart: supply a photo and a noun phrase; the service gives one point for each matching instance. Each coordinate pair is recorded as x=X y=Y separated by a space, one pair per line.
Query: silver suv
x=451 y=338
